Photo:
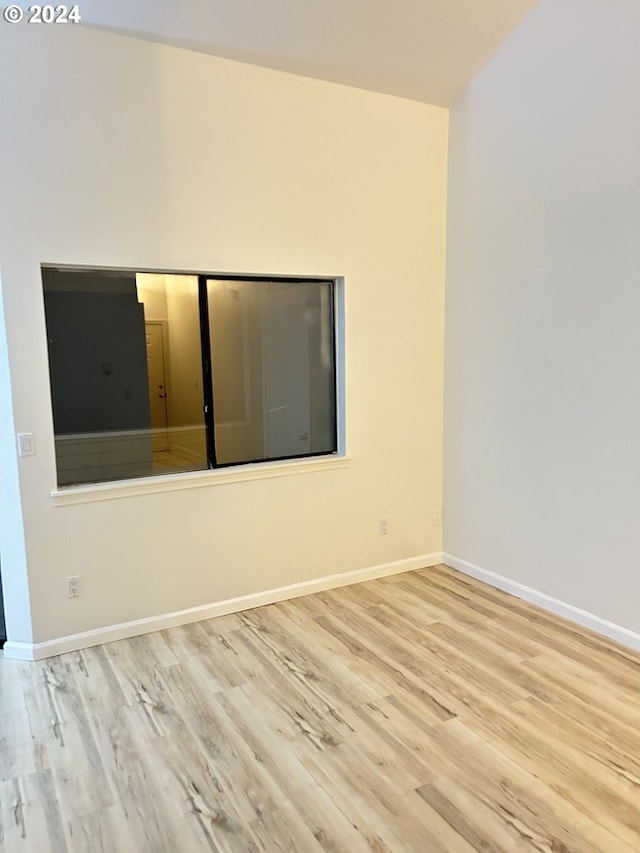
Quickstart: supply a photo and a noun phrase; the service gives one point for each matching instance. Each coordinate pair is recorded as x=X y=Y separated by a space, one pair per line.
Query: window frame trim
x=116 y=489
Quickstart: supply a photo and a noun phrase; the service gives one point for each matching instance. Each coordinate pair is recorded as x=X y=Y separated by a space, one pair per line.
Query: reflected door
x=157 y=386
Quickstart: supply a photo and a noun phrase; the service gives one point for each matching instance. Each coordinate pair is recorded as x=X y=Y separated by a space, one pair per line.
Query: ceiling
x=426 y=50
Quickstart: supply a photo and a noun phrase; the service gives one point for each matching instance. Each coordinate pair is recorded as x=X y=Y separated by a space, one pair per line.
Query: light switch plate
x=26 y=444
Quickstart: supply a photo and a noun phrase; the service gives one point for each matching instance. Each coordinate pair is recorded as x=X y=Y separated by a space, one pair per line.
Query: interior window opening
x=160 y=373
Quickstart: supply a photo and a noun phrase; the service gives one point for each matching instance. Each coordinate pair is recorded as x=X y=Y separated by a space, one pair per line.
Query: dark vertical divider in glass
x=207 y=384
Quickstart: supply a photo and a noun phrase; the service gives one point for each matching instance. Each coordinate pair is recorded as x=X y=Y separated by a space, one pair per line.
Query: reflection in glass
x=127 y=364
x=174 y=371
x=117 y=346
x=273 y=369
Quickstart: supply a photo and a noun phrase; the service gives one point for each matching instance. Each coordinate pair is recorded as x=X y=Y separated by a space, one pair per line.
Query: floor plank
x=422 y=712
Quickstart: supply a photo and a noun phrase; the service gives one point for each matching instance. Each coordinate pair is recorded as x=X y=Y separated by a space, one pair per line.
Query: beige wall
x=156 y=158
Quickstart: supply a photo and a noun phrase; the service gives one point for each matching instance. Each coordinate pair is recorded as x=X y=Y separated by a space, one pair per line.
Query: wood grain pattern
x=424 y=712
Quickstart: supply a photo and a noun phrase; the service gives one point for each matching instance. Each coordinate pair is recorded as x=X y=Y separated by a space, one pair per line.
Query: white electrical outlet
x=73 y=586
x=436 y=517
x=383 y=526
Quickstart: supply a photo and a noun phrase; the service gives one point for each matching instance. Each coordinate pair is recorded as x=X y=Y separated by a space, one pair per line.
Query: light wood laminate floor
x=423 y=712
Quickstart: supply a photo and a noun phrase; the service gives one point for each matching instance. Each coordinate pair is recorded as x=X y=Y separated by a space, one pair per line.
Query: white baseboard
x=547 y=602
x=75 y=642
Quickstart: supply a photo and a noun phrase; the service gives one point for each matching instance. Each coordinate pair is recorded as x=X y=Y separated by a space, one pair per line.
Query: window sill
x=193 y=480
